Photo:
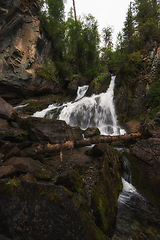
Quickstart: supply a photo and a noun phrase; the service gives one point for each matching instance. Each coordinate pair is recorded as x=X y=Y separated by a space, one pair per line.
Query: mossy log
x=69 y=145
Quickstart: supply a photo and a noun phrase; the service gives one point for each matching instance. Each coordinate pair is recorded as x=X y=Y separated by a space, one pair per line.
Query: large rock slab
x=49 y=130
x=145 y=161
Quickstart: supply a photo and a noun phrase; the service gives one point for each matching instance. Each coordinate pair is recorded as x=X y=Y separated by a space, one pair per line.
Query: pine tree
x=147 y=19
x=129 y=29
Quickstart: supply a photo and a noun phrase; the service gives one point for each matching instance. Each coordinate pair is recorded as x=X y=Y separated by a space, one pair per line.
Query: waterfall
x=95 y=111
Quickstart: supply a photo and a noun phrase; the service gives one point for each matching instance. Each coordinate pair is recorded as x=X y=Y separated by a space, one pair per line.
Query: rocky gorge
x=50 y=188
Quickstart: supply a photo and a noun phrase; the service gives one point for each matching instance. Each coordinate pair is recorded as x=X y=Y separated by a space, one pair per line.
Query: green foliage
x=75 y=43
x=48 y=70
x=129 y=29
x=81 y=46
x=153 y=101
x=134 y=63
x=52 y=20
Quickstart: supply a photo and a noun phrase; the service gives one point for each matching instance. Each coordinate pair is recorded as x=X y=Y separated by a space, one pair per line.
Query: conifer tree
x=129 y=29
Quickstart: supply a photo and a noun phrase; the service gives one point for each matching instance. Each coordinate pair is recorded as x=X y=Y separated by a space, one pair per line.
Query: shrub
x=48 y=70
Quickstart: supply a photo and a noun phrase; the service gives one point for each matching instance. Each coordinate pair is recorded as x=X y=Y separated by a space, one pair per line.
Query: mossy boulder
x=104 y=195
x=72 y=181
x=99 y=84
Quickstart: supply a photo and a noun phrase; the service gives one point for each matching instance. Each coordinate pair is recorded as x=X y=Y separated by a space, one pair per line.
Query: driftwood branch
x=40 y=149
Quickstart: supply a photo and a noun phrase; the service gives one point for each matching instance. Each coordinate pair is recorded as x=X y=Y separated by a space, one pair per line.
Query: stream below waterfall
x=136 y=218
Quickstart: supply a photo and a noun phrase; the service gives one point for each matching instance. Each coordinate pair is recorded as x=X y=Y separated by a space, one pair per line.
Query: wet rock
x=7 y=111
x=52 y=131
x=145 y=160
x=104 y=196
x=71 y=180
x=134 y=126
x=153 y=126
x=98 y=150
x=7 y=171
x=28 y=165
x=97 y=86
x=74 y=84
x=90 y=132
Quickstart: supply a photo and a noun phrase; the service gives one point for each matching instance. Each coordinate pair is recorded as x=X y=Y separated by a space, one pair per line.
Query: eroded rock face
x=23 y=48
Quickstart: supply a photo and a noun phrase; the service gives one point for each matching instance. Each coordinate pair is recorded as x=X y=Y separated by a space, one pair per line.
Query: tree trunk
x=74 y=7
x=69 y=145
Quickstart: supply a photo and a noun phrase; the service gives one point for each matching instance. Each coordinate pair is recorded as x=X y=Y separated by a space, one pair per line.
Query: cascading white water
x=95 y=111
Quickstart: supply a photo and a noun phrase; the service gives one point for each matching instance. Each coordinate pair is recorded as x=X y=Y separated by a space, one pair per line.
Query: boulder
x=49 y=130
x=7 y=111
x=145 y=161
x=98 y=86
x=134 y=125
x=75 y=83
x=104 y=196
x=28 y=165
x=92 y=131
x=7 y=171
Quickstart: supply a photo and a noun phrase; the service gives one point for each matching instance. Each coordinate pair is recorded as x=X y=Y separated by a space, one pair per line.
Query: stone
x=7 y=111
x=104 y=196
x=28 y=165
x=6 y=171
x=49 y=130
x=92 y=131
x=97 y=87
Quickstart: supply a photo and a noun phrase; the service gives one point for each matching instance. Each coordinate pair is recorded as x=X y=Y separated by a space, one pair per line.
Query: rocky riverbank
x=66 y=195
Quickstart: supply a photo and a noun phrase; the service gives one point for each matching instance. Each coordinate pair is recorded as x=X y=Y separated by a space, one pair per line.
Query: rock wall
x=130 y=96
x=23 y=48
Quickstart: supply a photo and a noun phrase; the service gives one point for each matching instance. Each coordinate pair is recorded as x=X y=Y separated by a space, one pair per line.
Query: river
x=137 y=218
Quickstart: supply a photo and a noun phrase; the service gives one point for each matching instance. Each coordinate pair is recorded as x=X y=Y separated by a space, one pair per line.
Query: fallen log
x=69 y=145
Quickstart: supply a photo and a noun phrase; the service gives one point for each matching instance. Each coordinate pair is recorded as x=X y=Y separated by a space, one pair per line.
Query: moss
x=69 y=193
x=24 y=136
x=104 y=205
x=93 y=232
x=81 y=202
x=53 y=197
x=72 y=181
x=49 y=193
x=2 y=133
x=48 y=71
x=104 y=195
x=97 y=132
x=80 y=168
x=10 y=186
x=42 y=176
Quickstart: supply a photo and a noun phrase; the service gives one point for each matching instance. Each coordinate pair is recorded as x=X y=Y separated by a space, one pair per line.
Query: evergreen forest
x=77 y=52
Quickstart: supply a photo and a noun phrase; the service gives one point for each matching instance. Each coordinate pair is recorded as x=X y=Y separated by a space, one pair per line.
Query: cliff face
x=23 y=48
x=131 y=97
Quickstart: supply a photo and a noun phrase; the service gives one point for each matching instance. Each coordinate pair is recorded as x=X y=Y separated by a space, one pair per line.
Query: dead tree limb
x=49 y=148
